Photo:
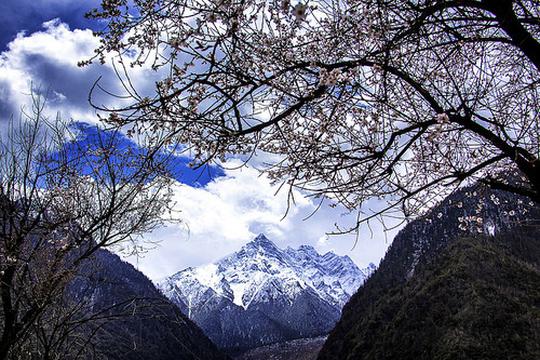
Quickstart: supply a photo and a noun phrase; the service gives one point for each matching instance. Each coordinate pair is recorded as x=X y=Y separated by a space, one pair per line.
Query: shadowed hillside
x=140 y=323
x=444 y=293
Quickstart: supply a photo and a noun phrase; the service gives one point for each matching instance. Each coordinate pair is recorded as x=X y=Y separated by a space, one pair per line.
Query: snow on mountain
x=262 y=282
x=239 y=276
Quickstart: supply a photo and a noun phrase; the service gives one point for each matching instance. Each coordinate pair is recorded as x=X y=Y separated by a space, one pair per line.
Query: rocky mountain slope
x=461 y=282
x=85 y=303
x=262 y=294
x=137 y=321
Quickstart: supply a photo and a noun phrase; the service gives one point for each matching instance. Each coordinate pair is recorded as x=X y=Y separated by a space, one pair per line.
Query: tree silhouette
x=60 y=202
x=357 y=99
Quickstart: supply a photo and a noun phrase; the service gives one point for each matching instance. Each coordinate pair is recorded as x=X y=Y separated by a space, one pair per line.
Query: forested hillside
x=443 y=292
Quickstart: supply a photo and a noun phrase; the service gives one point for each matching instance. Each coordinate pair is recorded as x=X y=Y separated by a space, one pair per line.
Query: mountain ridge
x=379 y=307
x=148 y=326
x=291 y=293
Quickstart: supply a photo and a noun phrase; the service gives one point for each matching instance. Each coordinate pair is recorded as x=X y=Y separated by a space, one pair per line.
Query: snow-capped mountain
x=263 y=294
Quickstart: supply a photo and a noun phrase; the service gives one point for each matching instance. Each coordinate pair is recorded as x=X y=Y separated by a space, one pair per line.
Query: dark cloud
x=28 y=15
x=46 y=63
x=64 y=87
x=56 y=79
x=6 y=107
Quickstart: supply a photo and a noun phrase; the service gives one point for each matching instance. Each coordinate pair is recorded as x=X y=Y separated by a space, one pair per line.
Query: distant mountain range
x=263 y=294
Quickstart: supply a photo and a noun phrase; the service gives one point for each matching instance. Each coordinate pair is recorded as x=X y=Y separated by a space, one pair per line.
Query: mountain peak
x=262 y=281
x=262 y=240
x=261 y=237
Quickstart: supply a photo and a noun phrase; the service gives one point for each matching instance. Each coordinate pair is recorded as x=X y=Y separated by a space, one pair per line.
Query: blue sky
x=179 y=168
x=28 y=15
x=41 y=42
x=24 y=17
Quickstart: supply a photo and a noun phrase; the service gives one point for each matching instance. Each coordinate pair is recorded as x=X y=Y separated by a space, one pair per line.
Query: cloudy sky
x=41 y=42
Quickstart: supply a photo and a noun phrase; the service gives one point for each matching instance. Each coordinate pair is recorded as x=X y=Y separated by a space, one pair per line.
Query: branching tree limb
x=61 y=201
x=358 y=98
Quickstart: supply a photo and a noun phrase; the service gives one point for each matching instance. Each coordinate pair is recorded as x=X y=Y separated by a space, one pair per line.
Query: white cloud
x=220 y=217
x=47 y=60
x=233 y=209
x=39 y=60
